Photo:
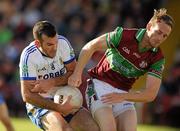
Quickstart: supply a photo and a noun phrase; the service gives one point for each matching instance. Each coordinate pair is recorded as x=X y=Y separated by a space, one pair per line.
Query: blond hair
x=161 y=15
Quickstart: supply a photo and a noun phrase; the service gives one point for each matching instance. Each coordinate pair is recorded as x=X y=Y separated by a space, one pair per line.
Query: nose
x=160 y=38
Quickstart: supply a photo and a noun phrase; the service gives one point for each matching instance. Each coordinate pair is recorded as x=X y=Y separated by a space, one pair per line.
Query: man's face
x=158 y=33
x=49 y=45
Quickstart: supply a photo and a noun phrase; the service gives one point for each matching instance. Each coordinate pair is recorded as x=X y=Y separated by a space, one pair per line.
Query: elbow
x=90 y=47
x=150 y=98
x=26 y=98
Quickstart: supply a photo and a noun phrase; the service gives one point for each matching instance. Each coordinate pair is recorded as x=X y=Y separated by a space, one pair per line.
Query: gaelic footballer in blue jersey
x=45 y=63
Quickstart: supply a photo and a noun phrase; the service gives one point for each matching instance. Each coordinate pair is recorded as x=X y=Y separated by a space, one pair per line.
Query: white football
x=64 y=91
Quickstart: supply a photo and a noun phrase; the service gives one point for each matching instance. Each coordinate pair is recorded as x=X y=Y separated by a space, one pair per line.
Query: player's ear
x=37 y=43
x=148 y=26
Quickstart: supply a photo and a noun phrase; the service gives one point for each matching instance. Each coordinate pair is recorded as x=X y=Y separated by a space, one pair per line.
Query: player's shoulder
x=130 y=30
x=29 y=50
x=63 y=42
x=63 y=39
x=130 y=33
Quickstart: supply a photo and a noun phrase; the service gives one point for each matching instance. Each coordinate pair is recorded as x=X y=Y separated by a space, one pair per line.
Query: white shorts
x=99 y=88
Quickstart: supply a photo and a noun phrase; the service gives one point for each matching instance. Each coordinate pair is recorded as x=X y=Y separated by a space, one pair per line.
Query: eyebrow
x=163 y=33
x=49 y=43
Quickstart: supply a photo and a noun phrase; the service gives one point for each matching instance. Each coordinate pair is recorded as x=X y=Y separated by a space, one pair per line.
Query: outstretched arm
x=147 y=95
x=85 y=55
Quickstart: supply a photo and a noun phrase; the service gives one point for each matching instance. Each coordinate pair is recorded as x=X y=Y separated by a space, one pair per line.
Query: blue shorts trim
x=1 y=99
x=35 y=114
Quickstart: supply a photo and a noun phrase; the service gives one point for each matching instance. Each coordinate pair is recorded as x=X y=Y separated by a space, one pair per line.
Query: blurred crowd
x=79 y=21
x=166 y=108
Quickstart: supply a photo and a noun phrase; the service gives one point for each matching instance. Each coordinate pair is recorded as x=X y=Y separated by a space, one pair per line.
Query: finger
x=37 y=82
x=69 y=82
x=107 y=98
x=35 y=89
x=107 y=101
x=74 y=83
x=107 y=95
x=32 y=83
x=79 y=83
x=68 y=99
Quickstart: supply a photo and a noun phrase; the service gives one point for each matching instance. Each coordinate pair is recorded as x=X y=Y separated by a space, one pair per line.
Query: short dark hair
x=161 y=14
x=43 y=27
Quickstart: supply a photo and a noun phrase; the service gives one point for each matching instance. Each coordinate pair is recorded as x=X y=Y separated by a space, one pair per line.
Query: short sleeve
x=157 y=68
x=26 y=67
x=113 y=38
x=66 y=50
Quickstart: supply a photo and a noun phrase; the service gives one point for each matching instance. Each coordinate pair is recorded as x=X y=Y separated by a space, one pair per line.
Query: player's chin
x=154 y=44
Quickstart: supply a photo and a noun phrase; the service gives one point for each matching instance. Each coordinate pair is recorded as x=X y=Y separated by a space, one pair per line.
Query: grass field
x=26 y=125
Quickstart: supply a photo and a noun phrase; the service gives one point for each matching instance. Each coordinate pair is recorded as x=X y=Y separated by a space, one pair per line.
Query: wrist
x=78 y=73
x=125 y=96
x=58 y=108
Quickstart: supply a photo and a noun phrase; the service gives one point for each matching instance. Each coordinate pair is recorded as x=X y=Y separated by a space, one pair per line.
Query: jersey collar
x=139 y=36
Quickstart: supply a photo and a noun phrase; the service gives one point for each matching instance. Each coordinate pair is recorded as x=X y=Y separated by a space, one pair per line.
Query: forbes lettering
x=53 y=75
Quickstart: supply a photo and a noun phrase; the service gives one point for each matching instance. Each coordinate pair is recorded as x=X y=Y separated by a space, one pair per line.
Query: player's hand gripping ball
x=63 y=92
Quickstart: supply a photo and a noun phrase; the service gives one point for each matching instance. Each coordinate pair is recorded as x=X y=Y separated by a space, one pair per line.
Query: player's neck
x=42 y=52
x=145 y=42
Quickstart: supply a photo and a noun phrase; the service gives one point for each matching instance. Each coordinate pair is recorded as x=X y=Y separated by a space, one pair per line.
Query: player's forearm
x=148 y=94
x=139 y=96
x=37 y=100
